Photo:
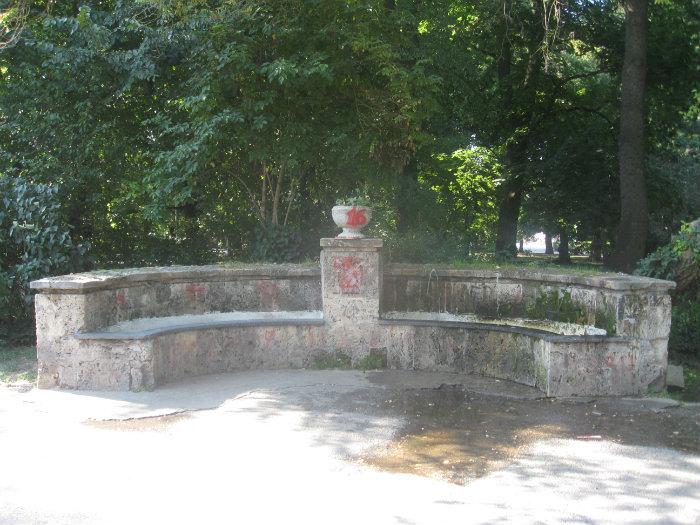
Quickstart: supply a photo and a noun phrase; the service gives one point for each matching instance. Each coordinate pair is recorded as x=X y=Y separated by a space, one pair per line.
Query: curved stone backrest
x=95 y=300
x=624 y=305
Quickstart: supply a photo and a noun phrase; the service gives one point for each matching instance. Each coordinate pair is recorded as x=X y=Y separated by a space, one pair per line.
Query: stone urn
x=351 y=219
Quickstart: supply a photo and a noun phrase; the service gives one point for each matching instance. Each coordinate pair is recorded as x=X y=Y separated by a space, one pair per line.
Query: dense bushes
x=684 y=341
x=680 y=260
x=279 y=244
x=35 y=241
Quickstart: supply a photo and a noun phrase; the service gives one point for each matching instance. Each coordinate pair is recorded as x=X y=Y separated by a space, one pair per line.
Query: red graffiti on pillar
x=350 y=272
x=356 y=217
x=195 y=292
x=120 y=298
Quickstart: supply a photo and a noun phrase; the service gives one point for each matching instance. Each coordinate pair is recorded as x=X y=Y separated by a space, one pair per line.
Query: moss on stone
x=606 y=319
x=327 y=361
x=375 y=360
x=556 y=305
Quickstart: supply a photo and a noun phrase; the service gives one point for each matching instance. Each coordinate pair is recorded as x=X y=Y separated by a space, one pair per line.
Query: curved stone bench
x=134 y=329
x=165 y=349
x=558 y=365
x=77 y=346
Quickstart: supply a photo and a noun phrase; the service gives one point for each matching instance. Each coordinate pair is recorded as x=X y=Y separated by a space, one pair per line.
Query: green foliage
x=375 y=360
x=17 y=364
x=663 y=263
x=684 y=339
x=556 y=305
x=35 y=241
x=424 y=247
x=464 y=183
x=606 y=319
x=277 y=244
x=327 y=361
x=354 y=201
x=358 y=197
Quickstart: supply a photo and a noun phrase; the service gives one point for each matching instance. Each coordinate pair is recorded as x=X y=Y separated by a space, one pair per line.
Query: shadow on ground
x=503 y=449
x=446 y=430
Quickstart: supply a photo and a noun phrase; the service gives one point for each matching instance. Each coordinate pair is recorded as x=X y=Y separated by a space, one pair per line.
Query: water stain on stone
x=142 y=424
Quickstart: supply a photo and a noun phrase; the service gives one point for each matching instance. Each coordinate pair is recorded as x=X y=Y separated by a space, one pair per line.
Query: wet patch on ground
x=143 y=424
x=457 y=435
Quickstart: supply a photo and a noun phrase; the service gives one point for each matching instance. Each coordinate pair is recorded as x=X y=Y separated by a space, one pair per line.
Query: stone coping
x=108 y=279
x=154 y=326
x=610 y=281
x=530 y=332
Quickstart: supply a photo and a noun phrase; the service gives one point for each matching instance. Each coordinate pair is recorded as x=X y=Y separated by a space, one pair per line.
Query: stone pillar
x=351 y=280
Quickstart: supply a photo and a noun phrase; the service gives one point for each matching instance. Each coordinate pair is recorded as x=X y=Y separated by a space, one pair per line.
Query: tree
x=634 y=214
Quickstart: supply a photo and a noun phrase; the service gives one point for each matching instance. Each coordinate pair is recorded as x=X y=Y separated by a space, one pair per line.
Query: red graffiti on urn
x=356 y=217
x=195 y=292
x=120 y=298
x=350 y=271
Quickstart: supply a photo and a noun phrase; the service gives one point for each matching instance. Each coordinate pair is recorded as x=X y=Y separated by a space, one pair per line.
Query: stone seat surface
x=537 y=325
x=145 y=328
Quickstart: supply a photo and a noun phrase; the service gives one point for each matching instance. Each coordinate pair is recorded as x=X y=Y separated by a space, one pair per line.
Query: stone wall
x=352 y=289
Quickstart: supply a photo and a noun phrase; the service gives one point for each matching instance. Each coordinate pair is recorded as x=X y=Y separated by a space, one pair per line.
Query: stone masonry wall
x=352 y=288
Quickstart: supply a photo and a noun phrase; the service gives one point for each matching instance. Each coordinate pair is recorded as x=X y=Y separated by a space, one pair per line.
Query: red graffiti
x=269 y=335
x=350 y=272
x=356 y=217
x=268 y=292
x=195 y=292
x=120 y=298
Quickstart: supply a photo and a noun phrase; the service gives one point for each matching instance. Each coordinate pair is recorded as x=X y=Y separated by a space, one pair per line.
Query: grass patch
x=540 y=263
x=375 y=360
x=338 y=360
x=17 y=364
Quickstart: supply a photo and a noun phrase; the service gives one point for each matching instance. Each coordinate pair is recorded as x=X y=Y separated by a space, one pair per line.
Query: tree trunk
x=564 y=257
x=548 y=247
x=406 y=211
x=263 y=195
x=508 y=213
x=521 y=245
x=277 y=196
x=597 y=247
x=630 y=245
